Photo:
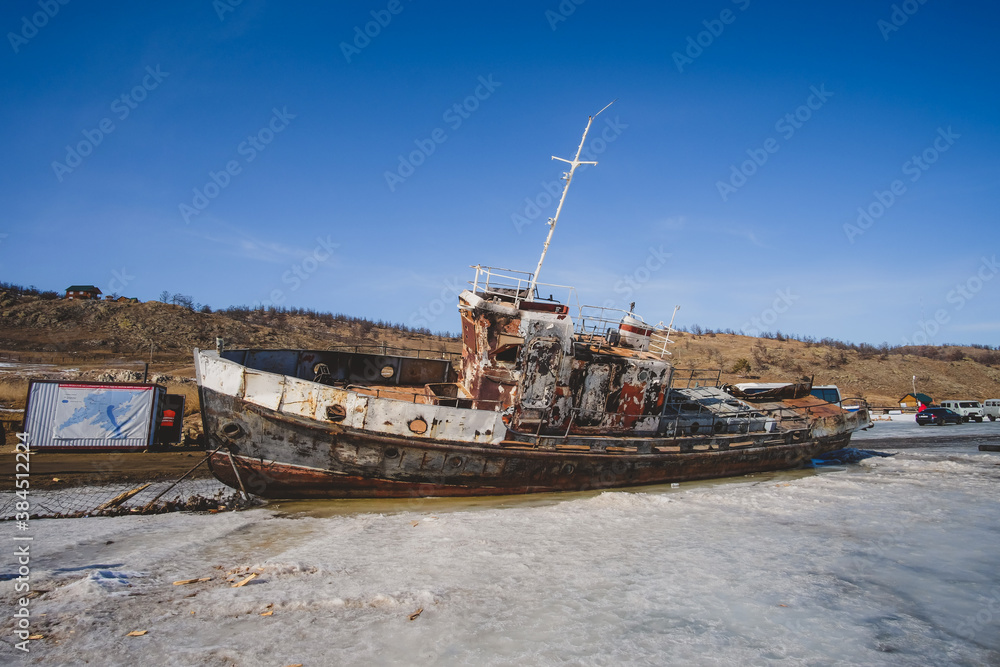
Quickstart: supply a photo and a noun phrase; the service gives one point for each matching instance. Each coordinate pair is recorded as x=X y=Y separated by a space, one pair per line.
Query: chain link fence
x=198 y=495
x=114 y=485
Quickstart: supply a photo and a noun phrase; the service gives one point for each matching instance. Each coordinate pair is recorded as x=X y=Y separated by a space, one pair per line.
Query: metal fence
x=111 y=486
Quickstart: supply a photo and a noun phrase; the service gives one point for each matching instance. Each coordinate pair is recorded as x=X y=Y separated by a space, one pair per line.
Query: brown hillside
x=90 y=328
x=87 y=334
x=881 y=378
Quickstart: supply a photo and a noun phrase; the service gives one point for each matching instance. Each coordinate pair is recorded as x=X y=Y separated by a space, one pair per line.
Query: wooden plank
x=122 y=497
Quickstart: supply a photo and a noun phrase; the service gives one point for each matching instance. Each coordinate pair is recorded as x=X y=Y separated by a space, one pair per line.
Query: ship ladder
x=660 y=339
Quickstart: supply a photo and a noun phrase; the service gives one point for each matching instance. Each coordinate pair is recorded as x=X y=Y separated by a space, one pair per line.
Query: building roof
x=923 y=398
x=83 y=288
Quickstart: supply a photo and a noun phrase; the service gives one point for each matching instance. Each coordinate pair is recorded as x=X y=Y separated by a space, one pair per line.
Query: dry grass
x=190 y=392
x=13 y=392
x=881 y=381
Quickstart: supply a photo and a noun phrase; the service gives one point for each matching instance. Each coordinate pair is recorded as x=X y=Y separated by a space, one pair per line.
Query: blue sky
x=819 y=169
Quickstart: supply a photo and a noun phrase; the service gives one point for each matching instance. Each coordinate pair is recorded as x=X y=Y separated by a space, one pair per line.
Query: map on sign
x=105 y=413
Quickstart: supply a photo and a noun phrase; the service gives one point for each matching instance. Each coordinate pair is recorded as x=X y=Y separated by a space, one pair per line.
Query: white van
x=968 y=409
x=991 y=408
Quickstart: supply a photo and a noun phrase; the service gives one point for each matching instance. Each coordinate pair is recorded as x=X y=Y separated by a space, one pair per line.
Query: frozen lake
x=893 y=561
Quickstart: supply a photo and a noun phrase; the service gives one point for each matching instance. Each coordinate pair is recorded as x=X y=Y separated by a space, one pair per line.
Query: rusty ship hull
x=335 y=462
x=283 y=436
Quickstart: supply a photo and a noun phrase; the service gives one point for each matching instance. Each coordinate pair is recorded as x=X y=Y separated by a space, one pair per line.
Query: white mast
x=568 y=177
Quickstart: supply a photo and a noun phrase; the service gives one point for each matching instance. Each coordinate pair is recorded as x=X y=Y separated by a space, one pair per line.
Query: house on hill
x=83 y=292
x=915 y=400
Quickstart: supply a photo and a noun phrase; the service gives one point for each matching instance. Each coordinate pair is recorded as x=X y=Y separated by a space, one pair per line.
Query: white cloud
x=237 y=243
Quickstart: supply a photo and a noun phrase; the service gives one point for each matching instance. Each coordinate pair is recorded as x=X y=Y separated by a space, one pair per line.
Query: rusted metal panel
x=423 y=371
x=370 y=467
x=282 y=362
x=304 y=398
x=443 y=422
x=264 y=389
x=542 y=360
x=221 y=375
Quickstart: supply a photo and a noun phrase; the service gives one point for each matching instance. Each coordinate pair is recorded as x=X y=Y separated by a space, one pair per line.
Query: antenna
x=568 y=177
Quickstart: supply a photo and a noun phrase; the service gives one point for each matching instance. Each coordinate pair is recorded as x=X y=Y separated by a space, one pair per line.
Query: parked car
x=968 y=409
x=991 y=408
x=939 y=417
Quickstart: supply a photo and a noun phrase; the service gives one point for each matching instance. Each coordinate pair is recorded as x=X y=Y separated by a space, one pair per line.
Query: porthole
x=418 y=426
x=388 y=372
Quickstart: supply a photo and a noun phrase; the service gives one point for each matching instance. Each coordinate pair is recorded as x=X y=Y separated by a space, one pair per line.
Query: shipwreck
x=547 y=395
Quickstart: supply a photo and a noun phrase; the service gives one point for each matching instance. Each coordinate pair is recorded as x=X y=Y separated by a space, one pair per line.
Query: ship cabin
x=549 y=367
x=604 y=372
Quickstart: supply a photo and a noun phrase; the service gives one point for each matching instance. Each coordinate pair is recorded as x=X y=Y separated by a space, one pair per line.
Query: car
x=967 y=408
x=991 y=407
x=938 y=416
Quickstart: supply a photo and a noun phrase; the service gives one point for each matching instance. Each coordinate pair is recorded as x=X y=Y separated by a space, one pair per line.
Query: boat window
x=828 y=395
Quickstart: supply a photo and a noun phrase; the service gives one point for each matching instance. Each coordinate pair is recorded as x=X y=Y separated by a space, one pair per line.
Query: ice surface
x=905 y=426
x=892 y=561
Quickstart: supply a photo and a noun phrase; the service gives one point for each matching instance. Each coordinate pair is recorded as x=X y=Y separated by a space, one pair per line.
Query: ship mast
x=568 y=177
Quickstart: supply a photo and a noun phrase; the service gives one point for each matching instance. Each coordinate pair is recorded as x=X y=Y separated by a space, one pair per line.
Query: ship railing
x=854 y=401
x=689 y=411
x=513 y=286
x=387 y=351
x=394 y=394
x=660 y=339
x=670 y=425
x=598 y=325
x=696 y=377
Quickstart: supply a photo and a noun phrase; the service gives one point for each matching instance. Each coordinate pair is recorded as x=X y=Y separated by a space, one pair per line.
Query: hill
x=91 y=329
x=94 y=335
x=879 y=375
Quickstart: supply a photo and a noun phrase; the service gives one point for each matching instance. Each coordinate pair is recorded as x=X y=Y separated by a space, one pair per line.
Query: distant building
x=83 y=292
x=915 y=400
